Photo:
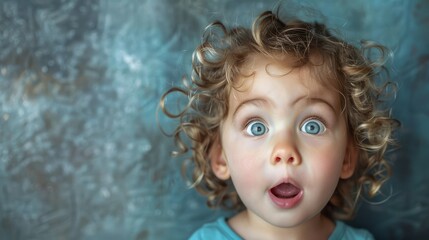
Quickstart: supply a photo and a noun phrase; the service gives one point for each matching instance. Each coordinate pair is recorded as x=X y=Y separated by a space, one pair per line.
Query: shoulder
x=218 y=229
x=343 y=231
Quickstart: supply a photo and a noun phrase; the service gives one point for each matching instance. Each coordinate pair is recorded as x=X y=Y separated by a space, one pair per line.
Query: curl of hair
x=362 y=83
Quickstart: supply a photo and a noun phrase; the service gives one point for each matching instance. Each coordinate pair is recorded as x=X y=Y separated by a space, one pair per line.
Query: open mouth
x=286 y=195
x=285 y=190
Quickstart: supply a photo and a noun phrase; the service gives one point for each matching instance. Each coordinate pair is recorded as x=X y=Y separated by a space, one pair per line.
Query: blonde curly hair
x=360 y=81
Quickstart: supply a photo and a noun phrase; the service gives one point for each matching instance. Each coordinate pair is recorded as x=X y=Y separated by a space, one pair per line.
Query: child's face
x=284 y=144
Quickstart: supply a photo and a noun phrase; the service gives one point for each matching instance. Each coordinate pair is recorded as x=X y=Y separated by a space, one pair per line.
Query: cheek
x=245 y=162
x=326 y=166
x=242 y=159
x=241 y=152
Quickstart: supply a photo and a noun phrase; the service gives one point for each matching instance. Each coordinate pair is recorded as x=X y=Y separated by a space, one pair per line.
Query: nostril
x=278 y=159
x=291 y=159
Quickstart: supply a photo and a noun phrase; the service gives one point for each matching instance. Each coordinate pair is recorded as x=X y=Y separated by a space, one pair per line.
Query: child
x=284 y=127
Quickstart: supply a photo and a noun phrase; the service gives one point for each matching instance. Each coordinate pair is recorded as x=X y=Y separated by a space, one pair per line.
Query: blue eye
x=313 y=127
x=256 y=128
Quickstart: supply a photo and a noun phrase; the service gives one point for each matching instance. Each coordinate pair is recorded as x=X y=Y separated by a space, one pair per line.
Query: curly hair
x=362 y=83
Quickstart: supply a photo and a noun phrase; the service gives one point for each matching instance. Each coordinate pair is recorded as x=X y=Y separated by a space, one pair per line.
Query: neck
x=250 y=226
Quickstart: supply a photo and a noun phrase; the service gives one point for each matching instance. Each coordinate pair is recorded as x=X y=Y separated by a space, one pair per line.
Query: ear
x=350 y=160
x=217 y=160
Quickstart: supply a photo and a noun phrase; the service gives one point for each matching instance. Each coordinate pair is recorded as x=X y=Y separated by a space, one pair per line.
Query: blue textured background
x=81 y=156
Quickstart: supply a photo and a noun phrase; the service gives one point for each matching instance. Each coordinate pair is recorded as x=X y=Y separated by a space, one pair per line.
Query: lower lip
x=286 y=203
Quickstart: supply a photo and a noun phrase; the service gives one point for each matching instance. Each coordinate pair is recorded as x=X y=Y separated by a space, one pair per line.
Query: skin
x=278 y=107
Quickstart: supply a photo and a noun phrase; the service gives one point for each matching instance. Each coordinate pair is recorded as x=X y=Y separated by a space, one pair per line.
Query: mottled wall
x=81 y=156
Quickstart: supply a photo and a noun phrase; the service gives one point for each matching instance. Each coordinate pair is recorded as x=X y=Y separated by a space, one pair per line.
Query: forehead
x=272 y=78
x=317 y=66
x=314 y=74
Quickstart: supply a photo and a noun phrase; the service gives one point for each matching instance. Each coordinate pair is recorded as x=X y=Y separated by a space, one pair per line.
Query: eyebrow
x=314 y=99
x=262 y=101
x=254 y=101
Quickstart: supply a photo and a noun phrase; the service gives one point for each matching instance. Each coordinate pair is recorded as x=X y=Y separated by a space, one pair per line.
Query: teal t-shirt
x=221 y=230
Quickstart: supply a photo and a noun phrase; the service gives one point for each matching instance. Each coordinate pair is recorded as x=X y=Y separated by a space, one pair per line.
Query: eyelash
x=311 y=117
x=251 y=119
x=315 y=118
x=251 y=123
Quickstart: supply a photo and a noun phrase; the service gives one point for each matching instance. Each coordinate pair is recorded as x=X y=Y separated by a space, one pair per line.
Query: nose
x=285 y=150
